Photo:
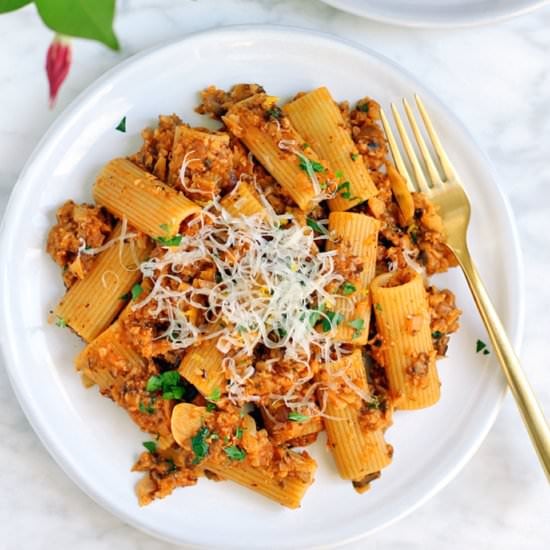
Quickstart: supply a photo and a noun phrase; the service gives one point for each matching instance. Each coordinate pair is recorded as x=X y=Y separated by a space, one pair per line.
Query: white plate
x=95 y=442
x=437 y=13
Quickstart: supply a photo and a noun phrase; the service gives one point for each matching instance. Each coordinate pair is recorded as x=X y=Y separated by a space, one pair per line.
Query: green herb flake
x=486 y=352
x=374 y=403
x=169 y=382
x=378 y=307
x=354 y=156
x=305 y=146
x=210 y=407
x=311 y=165
x=345 y=191
x=437 y=334
x=339 y=174
x=235 y=453
x=480 y=345
x=332 y=319
x=348 y=288
x=121 y=126
x=200 y=445
x=239 y=432
x=319 y=228
x=136 y=291
x=294 y=416
x=146 y=409
x=171 y=466
x=169 y=241
x=358 y=326
x=60 y=322
x=215 y=395
x=275 y=113
x=364 y=108
x=151 y=446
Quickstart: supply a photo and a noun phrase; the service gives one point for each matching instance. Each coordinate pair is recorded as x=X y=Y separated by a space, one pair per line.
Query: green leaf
x=331 y=320
x=345 y=191
x=169 y=241
x=61 y=323
x=316 y=226
x=91 y=19
x=378 y=307
x=437 y=334
x=364 y=108
x=357 y=325
x=151 y=446
x=307 y=165
x=239 y=432
x=146 y=409
x=169 y=382
x=235 y=453
x=210 y=407
x=200 y=445
x=136 y=291
x=297 y=417
x=215 y=395
x=274 y=113
x=480 y=345
x=354 y=156
x=121 y=127
x=348 y=288
x=12 y=5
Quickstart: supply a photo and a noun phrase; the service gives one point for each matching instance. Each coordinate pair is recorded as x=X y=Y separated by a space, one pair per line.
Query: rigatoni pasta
x=266 y=290
x=92 y=303
x=147 y=203
x=403 y=321
x=319 y=121
x=355 y=238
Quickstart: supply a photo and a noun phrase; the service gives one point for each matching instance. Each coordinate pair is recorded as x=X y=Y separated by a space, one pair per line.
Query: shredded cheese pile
x=271 y=282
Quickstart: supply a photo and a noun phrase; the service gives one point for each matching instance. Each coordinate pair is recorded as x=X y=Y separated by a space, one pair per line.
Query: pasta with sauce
x=241 y=291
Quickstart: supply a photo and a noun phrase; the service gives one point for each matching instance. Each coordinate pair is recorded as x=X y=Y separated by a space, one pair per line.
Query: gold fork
x=444 y=189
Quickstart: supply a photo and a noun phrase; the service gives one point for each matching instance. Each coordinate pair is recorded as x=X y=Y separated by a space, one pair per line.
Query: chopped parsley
x=364 y=108
x=235 y=453
x=378 y=307
x=316 y=226
x=136 y=291
x=171 y=466
x=294 y=416
x=169 y=241
x=374 y=403
x=125 y=296
x=274 y=113
x=213 y=398
x=147 y=409
x=357 y=325
x=121 y=126
x=354 y=156
x=239 y=432
x=308 y=164
x=151 y=446
x=348 y=288
x=482 y=346
x=437 y=334
x=339 y=174
x=305 y=146
x=345 y=191
x=315 y=315
x=60 y=322
x=169 y=383
x=200 y=445
x=332 y=318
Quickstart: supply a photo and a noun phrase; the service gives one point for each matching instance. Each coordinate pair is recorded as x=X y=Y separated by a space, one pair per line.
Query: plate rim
x=443 y=23
x=41 y=430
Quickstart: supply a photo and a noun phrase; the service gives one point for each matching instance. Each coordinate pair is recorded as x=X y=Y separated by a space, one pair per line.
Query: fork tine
x=448 y=169
x=435 y=176
x=418 y=172
x=396 y=154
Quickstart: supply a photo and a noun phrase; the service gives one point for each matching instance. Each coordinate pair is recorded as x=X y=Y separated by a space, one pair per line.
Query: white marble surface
x=497 y=80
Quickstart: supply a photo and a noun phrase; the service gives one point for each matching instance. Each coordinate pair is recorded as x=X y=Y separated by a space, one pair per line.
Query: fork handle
x=530 y=410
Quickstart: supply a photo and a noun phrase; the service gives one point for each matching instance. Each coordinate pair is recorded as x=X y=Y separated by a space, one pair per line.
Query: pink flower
x=58 y=63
